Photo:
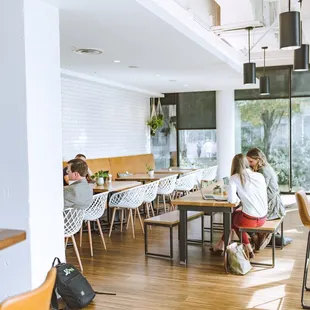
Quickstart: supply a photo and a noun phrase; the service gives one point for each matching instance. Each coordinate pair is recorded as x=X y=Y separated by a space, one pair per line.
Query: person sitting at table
x=65 y=174
x=79 y=194
x=258 y=162
x=249 y=188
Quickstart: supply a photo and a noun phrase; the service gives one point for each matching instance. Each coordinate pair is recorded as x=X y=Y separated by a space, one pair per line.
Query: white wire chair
x=73 y=219
x=209 y=174
x=150 y=195
x=128 y=199
x=166 y=187
x=199 y=173
x=185 y=183
x=93 y=213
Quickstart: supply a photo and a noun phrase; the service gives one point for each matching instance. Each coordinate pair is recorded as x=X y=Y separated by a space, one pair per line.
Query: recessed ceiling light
x=90 y=51
x=172 y=80
x=133 y=67
x=157 y=74
x=185 y=85
x=116 y=61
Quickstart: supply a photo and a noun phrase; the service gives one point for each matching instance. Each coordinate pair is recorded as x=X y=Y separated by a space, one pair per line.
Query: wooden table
x=115 y=186
x=194 y=202
x=9 y=237
x=173 y=171
x=144 y=177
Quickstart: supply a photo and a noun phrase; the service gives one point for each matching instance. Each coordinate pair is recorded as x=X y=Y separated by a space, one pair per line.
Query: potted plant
x=155 y=122
x=150 y=170
x=100 y=177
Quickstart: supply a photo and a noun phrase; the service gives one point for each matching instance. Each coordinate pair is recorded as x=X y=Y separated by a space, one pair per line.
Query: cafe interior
x=157 y=96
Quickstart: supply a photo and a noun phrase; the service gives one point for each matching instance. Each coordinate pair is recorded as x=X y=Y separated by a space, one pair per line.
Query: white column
x=225 y=128
x=31 y=194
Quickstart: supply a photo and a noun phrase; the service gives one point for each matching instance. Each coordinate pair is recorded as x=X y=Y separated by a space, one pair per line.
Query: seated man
x=65 y=174
x=79 y=194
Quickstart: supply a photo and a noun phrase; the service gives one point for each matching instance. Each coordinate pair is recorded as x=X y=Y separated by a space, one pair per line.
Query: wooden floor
x=153 y=283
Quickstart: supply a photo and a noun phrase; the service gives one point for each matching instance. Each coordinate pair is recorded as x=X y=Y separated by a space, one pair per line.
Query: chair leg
x=151 y=205
x=90 y=239
x=66 y=242
x=112 y=222
x=139 y=216
x=128 y=219
x=304 y=282
x=147 y=206
x=122 y=219
x=81 y=235
x=77 y=252
x=101 y=234
x=172 y=206
x=164 y=200
x=132 y=223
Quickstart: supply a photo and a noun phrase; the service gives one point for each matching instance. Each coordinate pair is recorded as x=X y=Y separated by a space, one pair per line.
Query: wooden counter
x=9 y=237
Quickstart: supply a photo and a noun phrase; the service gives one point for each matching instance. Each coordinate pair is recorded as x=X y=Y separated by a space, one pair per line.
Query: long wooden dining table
x=144 y=177
x=115 y=186
x=195 y=202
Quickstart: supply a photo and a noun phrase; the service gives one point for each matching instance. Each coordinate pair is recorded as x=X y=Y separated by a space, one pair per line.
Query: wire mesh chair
x=128 y=199
x=150 y=195
x=209 y=174
x=185 y=184
x=93 y=213
x=73 y=219
x=166 y=187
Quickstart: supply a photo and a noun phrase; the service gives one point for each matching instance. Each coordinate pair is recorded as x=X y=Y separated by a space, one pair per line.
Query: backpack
x=72 y=286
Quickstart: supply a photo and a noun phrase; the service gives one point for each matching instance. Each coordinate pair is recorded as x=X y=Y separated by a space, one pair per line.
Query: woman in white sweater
x=249 y=188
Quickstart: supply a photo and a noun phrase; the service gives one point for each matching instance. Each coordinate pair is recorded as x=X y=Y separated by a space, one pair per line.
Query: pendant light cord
x=249 y=45
x=264 y=62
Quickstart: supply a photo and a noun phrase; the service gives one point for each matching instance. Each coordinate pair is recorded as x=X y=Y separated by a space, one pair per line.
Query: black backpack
x=72 y=286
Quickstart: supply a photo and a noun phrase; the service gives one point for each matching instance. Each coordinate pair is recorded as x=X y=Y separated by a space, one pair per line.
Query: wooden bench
x=270 y=227
x=170 y=219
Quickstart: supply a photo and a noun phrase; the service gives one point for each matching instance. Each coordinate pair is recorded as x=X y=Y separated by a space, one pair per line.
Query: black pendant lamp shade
x=264 y=81
x=301 y=58
x=301 y=55
x=249 y=69
x=290 y=34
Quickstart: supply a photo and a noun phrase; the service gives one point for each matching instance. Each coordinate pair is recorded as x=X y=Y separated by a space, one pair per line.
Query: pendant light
x=301 y=55
x=264 y=81
x=249 y=69
x=290 y=29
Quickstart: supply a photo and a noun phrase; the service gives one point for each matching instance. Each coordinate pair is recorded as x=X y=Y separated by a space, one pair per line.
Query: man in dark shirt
x=65 y=173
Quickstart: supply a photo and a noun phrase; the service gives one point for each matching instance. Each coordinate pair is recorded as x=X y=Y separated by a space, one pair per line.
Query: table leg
x=183 y=237
x=227 y=227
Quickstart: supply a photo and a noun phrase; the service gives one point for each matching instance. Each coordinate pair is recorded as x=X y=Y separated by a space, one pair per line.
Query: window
x=265 y=124
x=300 y=144
x=163 y=144
x=197 y=148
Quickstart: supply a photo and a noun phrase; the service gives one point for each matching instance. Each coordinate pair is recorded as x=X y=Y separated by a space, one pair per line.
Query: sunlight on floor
x=268 y=298
x=258 y=276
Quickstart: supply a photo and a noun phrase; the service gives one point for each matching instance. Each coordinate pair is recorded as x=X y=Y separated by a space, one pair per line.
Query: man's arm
x=69 y=197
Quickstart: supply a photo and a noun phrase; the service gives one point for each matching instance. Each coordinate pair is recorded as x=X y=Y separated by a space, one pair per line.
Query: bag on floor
x=72 y=286
x=236 y=259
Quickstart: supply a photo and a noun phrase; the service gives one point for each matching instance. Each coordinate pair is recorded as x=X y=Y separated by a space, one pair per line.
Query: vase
x=100 y=181
x=151 y=173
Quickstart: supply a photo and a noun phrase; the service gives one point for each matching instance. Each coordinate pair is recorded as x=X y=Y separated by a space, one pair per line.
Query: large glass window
x=265 y=124
x=300 y=144
x=164 y=143
x=197 y=148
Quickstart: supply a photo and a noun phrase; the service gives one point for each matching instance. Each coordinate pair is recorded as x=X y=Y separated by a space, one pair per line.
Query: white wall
x=101 y=120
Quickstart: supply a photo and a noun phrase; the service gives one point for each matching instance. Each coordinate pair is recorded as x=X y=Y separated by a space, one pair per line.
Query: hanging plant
x=157 y=119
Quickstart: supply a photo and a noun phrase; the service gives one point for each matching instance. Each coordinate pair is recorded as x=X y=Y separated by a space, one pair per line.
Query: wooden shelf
x=9 y=237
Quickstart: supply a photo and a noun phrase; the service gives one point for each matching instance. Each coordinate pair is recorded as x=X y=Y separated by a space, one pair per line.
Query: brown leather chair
x=39 y=298
x=304 y=209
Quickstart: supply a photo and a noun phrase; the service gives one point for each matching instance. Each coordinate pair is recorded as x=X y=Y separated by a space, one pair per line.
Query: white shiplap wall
x=101 y=120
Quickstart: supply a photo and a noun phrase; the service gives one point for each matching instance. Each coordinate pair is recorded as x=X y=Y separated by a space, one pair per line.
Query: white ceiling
x=128 y=32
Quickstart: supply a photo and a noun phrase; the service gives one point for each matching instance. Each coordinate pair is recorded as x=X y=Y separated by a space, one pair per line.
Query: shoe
x=251 y=255
x=217 y=251
x=255 y=242
x=264 y=239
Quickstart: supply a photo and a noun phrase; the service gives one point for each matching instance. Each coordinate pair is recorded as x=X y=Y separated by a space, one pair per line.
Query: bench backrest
x=132 y=164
